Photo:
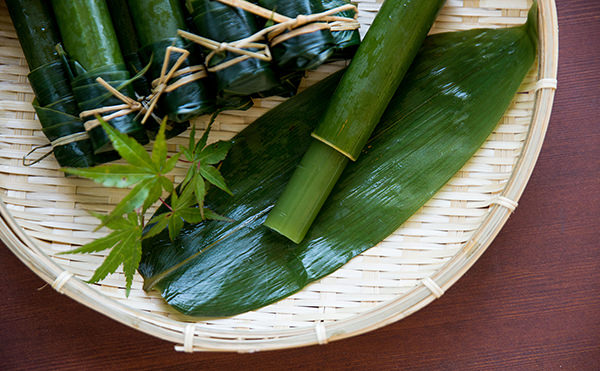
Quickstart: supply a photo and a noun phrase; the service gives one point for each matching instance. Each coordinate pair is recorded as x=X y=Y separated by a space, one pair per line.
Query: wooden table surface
x=531 y=302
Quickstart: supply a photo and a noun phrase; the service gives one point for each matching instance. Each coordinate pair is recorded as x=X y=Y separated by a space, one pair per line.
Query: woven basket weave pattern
x=44 y=213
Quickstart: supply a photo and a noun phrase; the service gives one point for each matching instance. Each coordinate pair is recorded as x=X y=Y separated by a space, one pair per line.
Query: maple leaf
x=203 y=158
x=145 y=172
x=125 y=243
x=182 y=209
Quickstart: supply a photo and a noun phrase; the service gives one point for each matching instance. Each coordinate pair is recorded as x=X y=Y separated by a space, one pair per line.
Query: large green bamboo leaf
x=451 y=99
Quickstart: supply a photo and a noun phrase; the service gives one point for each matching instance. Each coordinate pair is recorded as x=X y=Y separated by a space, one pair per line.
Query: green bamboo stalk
x=91 y=42
x=36 y=29
x=130 y=46
x=357 y=105
x=87 y=32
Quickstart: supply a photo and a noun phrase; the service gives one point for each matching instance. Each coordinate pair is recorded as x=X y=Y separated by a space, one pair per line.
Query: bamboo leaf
x=433 y=125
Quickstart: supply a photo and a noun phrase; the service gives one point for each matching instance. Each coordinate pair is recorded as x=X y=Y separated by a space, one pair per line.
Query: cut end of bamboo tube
x=295 y=237
x=305 y=194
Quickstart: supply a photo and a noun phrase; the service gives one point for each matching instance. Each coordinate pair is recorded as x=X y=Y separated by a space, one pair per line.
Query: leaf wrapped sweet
x=90 y=40
x=223 y=23
x=156 y=23
x=306 y=50
x=123 y=24
x=57 y=111
x=128 y=41
x=346 y=41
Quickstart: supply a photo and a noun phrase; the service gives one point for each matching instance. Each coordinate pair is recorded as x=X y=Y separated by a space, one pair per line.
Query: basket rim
x=202 y=338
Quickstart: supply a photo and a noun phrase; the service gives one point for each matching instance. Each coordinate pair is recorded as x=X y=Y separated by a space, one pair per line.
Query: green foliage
x=126 y=244
x=148 y=175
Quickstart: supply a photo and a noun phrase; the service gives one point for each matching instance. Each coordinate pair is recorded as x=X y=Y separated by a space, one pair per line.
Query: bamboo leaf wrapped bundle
x=90 y=40
x=123 y=24
x=449 y=102
x=346 y=41
x=55 y=105
x=304 y=51
x=224 y=24
x=128 y=41
x=289 y=82
x=355 y=109
x=156 y=23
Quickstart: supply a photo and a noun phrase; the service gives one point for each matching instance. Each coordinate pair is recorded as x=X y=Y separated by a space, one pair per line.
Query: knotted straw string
x=300 y=25
x=129 y=106
x=276 y=34
x=161 y=84
x=240 y=47
x=61 y=141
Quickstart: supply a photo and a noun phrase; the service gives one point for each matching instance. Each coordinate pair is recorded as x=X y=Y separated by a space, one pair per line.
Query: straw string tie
x=161 y=85
x=129 y=106
x=321 y=333
x=247 y=48
x=549 y=83
x=506 y=202
x=61 y=280
x=435 y=289
x=300 y=25
x=189 y=332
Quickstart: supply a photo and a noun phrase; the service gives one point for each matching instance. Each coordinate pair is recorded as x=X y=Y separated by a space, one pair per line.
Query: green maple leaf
x=145 y=172
x=203 y=159
x=125 y=243
x=182 y=209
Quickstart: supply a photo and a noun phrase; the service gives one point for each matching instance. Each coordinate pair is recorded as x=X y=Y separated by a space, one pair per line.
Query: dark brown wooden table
x=531 y=302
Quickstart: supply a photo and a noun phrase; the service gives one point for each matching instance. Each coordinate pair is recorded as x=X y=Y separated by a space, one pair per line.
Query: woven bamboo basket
x=42 y=213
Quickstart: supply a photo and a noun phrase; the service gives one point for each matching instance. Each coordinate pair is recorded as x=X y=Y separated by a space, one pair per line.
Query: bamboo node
x=435 y=289
x=506 y=202
x=61 y=280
